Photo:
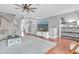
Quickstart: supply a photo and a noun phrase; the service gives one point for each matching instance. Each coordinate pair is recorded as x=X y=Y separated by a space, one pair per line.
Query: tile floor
x=29 y=45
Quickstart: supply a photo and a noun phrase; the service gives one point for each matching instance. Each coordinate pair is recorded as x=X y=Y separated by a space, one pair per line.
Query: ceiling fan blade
x=27 y=10
x=23 y=5
x=29 y=5
x=18 y=5
x=33 y=8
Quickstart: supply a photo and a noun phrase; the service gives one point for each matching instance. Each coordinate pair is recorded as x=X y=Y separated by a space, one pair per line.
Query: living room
x=45 y=28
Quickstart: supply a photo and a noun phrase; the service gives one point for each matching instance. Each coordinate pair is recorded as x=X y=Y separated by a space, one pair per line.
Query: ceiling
x=42 y=11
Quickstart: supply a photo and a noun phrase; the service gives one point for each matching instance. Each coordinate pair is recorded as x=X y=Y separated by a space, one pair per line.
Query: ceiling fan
x=26 y=7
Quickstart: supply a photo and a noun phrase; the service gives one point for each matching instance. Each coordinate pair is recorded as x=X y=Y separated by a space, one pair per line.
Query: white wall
x=54 y=22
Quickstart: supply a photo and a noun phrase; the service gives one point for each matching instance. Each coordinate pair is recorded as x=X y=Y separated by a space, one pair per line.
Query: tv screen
x=43 y=25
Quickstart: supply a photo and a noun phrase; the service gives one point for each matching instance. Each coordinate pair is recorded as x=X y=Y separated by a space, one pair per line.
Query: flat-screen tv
x=43 y=25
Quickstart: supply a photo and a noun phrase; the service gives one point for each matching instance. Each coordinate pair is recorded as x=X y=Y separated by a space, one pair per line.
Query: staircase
x=11 y=19
x=12 y=27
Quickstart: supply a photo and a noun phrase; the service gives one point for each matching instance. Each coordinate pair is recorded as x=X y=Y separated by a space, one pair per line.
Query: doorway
x=29 y=27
